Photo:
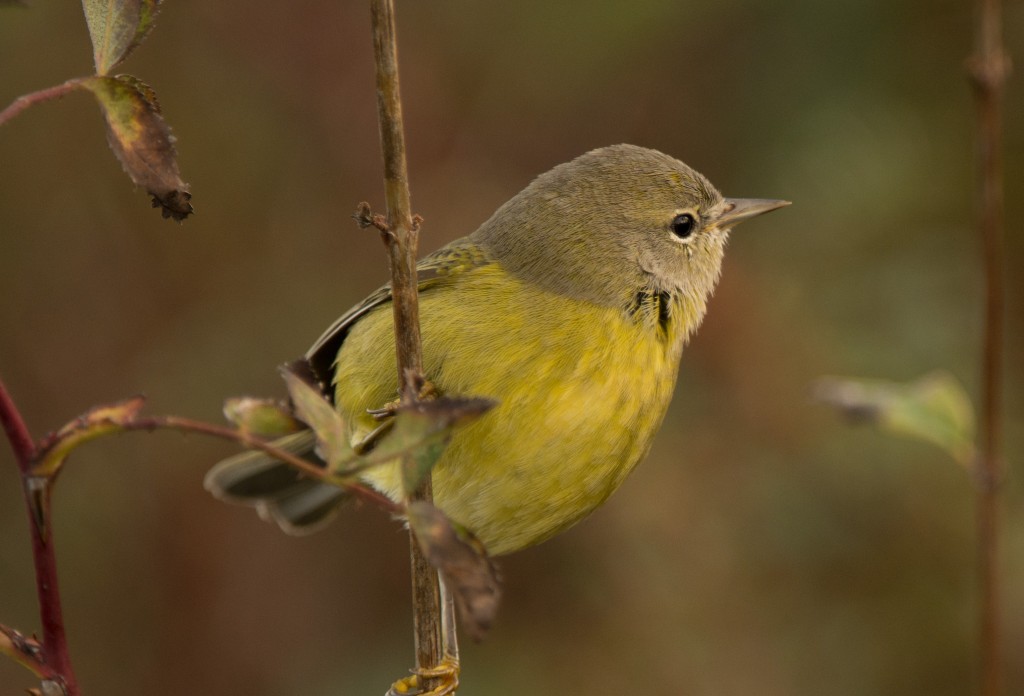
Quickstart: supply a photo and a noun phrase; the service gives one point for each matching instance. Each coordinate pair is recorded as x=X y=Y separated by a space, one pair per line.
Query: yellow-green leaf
x=934 y=408
x=421 y=432
x=95 y=423
x=265 y=418
x=463 y=562
x=116 y=27
x=315 y=411
x=142 y=141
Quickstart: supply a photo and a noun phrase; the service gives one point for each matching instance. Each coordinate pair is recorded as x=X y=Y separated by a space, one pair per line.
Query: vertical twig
x=401 y=241
x=989 y=67
x=37 y=501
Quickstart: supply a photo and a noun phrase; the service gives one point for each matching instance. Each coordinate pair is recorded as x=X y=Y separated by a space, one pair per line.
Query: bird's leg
x=446 y=674
x=373 y=437
x=449 y=636
x=427 y=392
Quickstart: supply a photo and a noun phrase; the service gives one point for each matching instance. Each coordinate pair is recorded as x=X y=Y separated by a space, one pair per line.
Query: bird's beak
x=740 y=209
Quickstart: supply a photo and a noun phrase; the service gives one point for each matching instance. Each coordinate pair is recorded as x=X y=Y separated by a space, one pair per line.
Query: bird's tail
x=279 y=492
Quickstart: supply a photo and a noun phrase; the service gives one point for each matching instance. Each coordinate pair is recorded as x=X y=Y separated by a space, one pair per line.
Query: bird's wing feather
x=458 y=257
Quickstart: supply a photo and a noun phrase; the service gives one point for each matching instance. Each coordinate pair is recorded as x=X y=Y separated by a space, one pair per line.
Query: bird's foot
x=427 y=392
x=444 y=679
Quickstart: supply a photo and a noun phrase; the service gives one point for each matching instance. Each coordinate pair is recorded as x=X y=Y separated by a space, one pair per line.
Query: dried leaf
x=467 y=569
x=116 y=27
x=935 y=408
x=266 y=418
x=317 y=412
x=142 y=141
x=96 y=422
x=422 y=431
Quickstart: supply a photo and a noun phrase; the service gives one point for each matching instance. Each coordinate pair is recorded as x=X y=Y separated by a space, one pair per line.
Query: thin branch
x=16 y=430
x=989 y=67
x=402 y=243
x=50 y=658
x=309 y=469
x=48 y=94
x=402 y=239
x=54 y=653
x=51 y=615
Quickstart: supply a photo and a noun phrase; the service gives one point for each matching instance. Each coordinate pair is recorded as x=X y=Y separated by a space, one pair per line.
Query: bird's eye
x=683 y=225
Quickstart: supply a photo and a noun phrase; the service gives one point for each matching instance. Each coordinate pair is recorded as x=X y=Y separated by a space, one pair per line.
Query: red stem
x=37 y=502
x=17 y=432
x=27 y=100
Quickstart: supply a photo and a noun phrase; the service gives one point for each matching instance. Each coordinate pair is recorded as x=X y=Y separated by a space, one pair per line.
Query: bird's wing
x=458 y=257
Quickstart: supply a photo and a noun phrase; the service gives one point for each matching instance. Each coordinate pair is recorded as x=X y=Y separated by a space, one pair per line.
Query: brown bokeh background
x=765 y=547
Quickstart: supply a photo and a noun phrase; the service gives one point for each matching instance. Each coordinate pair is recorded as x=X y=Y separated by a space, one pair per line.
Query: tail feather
x=305 y=509
x=278 y=491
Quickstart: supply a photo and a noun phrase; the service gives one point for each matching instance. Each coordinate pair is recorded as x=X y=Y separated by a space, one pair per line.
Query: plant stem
x=989 y=67
x=402 y=242
x=16 y=430
x=36 y=491
x=27 y=100
x=55 y=643
x=312 y=470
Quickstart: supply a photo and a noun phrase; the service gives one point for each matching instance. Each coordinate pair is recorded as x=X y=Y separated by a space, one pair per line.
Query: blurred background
x=765 y=547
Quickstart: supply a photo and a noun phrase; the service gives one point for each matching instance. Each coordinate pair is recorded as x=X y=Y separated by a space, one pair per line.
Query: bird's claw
x=445 y=677
x=427 y=392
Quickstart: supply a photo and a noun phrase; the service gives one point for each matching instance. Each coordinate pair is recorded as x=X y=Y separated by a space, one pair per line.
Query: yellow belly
x=581 y=388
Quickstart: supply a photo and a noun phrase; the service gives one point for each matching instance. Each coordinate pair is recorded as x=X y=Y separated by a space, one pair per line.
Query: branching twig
x=49 y=659
x=54 y=654
x=402 y=242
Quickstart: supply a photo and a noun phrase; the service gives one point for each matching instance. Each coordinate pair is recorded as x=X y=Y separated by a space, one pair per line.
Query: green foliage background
x=765 y=547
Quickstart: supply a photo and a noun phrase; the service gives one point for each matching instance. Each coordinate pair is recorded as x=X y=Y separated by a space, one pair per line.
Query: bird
x=570 y=307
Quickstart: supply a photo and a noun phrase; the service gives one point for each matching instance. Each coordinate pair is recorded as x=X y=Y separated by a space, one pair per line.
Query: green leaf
x=265 y=418
x=467 y=569
x=97 y=422
x=142 y=141
x=935 y=408
x=421 y=432
x=116 y=27
x=313 y=409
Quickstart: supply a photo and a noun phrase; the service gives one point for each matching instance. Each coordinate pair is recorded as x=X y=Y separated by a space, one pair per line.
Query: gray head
x=617 y=221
